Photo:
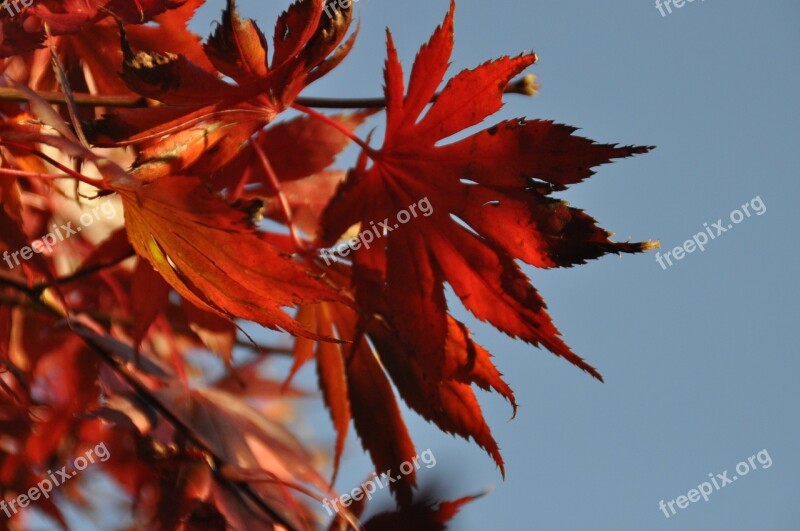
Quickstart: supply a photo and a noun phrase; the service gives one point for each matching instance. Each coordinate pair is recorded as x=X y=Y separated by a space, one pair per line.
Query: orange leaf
x=212 y=255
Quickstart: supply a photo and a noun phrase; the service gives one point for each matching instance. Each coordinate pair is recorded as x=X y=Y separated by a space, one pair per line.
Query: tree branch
x=526 y=86
x=82 y=99
x=81 y=273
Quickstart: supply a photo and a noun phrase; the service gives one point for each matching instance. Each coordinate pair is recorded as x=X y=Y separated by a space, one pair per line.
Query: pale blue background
x=701 y=360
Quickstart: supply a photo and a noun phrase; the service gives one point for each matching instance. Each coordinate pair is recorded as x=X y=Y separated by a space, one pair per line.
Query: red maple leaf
x=490 y=193
x=491 y=205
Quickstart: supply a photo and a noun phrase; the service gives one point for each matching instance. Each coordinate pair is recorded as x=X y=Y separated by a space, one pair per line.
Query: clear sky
x=700 y=359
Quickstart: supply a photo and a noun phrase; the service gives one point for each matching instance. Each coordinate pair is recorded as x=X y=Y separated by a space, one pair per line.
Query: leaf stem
x=340 y=127
x=276 y=184
x=69 y=171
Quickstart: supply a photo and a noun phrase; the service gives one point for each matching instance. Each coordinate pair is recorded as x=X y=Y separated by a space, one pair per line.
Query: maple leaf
x=356 y=379
x=25 y=32
x=212 y=255
x=71 y=16
x=491 y=207
x=490 y=195
x=354 y=386
x=195 y=96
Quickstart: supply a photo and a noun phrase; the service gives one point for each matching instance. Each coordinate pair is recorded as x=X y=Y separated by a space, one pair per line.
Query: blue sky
x=700 y=359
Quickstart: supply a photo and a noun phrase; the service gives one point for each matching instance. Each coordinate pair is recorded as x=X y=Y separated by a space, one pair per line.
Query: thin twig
x=58 y=70
x=336 y=125
x=81 y=273
x=17 y=285
x=66 y=169
x=81 y=99
x=525 y=85
x=276 y=184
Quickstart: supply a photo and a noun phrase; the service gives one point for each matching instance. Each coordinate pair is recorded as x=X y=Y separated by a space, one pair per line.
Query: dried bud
x=526 y=85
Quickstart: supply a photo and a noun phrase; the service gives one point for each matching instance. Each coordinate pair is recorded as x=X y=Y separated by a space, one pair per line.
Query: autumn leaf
x=24 y=32
x=149 y=296
x=194 y=96
x=491 y=206
x=212 y=254
x=355 y=386
x=354 y=374
x=490 y=196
